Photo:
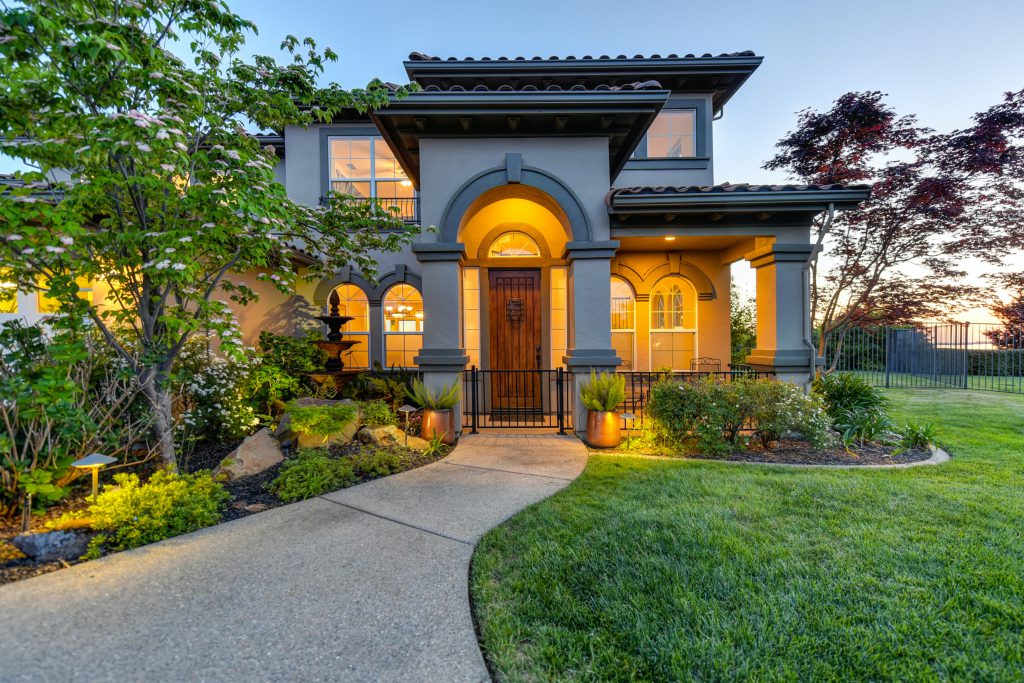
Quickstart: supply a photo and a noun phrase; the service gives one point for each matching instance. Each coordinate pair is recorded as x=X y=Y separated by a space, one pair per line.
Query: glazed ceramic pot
x=438 y=422
x=603 y=429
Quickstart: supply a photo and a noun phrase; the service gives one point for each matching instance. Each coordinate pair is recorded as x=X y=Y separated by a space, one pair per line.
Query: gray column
x=442 y=358
x=782 y=314
x=590 y=333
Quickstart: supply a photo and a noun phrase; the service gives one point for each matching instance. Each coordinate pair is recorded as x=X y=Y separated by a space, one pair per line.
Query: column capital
x=779 y=253
x=591 y=358
x=439 y=251
x=590 y=249
x=441 y=360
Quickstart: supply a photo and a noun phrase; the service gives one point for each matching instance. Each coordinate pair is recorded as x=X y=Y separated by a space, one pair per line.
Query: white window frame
x=652 y=330
x=631 y=330
x=385 y=333
x=372 y=179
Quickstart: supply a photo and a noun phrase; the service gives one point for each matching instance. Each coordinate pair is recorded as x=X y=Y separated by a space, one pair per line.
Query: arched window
x=353 y=302
x=403 y=325
x=673 y=323
x=514 y=244
x=623 y=321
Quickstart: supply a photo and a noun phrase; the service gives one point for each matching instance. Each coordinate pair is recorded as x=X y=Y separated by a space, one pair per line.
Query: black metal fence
x=536 y=399
x=980 y=356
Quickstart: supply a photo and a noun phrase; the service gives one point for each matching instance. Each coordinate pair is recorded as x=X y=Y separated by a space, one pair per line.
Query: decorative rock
x=254 y=455
x=255 y=507
x=301 y=440
x=49 y=546
x=389 y=436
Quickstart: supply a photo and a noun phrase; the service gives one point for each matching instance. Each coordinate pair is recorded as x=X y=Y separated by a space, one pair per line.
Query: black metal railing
x=533 y=399
x=981 y=356
x=406 y=208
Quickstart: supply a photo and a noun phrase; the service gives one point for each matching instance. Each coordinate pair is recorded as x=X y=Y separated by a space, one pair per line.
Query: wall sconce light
x=669 y=238
x=94 y=463
x=407 y=410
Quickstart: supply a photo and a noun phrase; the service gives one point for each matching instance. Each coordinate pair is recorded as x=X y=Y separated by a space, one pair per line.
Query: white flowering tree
x=144 y=179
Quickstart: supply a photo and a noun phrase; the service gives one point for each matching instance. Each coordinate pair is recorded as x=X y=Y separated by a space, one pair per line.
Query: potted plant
x=438 y=413
x=601 y=395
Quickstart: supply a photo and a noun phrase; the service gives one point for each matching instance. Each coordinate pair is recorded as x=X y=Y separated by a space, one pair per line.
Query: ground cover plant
x=662 y=569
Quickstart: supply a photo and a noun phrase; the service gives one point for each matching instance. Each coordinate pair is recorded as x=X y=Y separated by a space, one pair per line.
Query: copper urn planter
x=603 y=429
x=438 y=423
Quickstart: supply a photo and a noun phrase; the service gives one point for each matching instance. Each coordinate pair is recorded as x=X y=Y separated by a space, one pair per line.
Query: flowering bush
x=719 y=416
x=211 y=394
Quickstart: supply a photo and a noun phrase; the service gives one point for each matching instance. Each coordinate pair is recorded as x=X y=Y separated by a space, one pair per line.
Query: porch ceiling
x=682 y=242
x=621 y=114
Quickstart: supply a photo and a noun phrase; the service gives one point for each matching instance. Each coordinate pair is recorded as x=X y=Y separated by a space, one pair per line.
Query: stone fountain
x=334 y=345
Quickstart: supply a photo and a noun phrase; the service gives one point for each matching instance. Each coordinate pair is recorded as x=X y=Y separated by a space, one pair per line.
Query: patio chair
x=705 y=364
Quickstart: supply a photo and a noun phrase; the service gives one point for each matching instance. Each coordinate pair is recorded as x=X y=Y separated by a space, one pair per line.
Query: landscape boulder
x=50 y=546
x=303 y=440
x=390 y=436
x=256 y=454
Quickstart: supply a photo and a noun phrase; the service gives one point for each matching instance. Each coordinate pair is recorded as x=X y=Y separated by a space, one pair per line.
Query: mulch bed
x=792 y=452
x=795 y=452
x=14 y=566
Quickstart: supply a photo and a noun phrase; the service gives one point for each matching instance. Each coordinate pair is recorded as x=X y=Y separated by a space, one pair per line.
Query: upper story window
x=8 y=297
x=673 y=135
x=365 y=167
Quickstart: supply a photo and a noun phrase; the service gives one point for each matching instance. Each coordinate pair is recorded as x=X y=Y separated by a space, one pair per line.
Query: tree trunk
x=156 y=392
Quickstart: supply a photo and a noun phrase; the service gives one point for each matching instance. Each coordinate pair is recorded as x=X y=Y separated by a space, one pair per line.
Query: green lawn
x=648 y=569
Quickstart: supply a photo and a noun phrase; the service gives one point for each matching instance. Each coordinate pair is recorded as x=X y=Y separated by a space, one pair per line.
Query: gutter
x=806 y=274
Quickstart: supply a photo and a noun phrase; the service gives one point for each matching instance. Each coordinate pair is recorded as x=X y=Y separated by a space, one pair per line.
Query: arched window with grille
x=353 y=302
x=673 y=323
x=402 y=309
x=623 y=322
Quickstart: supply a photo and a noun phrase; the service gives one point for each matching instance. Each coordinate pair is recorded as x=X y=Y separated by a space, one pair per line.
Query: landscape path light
x=408 y=410
x=94 y=463
x=628 y=419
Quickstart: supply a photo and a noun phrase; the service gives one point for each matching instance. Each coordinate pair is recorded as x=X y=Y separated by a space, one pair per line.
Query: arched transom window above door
x=514 y=244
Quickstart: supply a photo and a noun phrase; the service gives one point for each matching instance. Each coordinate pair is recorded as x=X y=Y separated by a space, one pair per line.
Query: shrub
x=282 y=372
x=604 y=392
x=916 y=436
x=376 y=413
x=311 y=473
x=132 y=514
x=373 y=463
x=64 y=396
x=778 y=408
x=861 y=426
x=211 y=399
x=321 y=420
x=845 y=391
x=444 y=398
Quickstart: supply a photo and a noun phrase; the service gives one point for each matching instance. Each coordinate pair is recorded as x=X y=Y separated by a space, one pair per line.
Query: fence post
x=475 y=406
x=888 y=335
x=559 y=387
x=967 y=354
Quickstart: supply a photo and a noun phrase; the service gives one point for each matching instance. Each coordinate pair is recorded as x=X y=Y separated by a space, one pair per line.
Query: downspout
x=806 y=272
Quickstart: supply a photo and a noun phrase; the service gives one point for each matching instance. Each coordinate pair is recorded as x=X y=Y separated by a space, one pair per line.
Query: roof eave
x=794 y=200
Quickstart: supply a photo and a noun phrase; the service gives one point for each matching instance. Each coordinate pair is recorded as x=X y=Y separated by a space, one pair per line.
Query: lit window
x=514 y=244
x=365 y=167
x=46 y=304
x=672 y=135
x=559 y=316
x=471 y=314
x=673 y=324
x=403 y=326
x=353 y=303
x=623 y=321
x=8 y=297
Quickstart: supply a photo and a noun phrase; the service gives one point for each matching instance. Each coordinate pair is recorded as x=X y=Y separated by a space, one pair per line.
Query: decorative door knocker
x=514 y=310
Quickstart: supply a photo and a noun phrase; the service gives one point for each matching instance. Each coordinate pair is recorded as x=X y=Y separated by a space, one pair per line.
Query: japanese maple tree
x=936 y=201
x=145 y=179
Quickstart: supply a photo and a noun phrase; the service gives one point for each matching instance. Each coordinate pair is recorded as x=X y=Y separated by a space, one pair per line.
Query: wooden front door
x=515 y=339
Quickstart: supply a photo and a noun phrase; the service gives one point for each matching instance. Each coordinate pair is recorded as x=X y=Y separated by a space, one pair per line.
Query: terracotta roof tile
x=725 y=188
x=638 y=85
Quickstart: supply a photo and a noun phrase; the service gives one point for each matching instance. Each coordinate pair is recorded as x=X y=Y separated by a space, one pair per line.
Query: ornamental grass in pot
x=601 y=395
x=438 y=409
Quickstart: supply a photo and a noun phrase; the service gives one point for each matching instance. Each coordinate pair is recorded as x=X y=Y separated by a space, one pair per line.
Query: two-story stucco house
x=578 y=223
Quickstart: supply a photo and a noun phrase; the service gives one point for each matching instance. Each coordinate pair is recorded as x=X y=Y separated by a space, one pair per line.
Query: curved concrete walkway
x=364 y=584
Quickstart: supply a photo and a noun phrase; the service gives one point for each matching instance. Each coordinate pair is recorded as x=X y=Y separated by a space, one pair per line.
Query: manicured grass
x=648 y=569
